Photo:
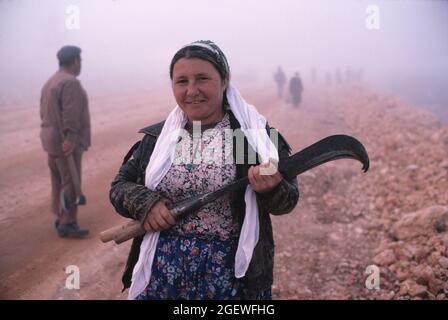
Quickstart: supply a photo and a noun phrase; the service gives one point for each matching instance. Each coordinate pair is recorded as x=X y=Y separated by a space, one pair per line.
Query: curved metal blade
x=328 y=149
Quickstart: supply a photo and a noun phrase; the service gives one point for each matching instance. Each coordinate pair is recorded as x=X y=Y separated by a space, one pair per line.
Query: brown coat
x=64 y=94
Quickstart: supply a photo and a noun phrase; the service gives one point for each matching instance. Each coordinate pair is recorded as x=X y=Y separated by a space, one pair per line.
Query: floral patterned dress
x=195 y=258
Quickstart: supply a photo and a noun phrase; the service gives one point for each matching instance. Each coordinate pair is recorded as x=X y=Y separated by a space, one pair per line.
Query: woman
x=224 y=250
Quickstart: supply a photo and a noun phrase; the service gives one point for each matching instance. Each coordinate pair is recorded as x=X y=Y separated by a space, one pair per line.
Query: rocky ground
x=395 y=216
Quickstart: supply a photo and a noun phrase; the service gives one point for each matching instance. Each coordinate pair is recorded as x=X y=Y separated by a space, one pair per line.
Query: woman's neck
x=204 y=125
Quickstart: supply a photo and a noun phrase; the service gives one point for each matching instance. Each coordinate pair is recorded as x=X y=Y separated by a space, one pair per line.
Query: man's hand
x=263 y=183
x=67 y=147
x=159 y=217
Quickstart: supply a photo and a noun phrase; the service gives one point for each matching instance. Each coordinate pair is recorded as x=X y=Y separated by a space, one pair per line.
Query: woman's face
x=198 y=90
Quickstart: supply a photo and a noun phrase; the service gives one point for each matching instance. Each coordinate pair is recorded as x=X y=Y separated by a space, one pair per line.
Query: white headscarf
x=253 y=125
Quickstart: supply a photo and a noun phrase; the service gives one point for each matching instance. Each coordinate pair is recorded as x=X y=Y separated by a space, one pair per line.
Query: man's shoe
x=71 y=230
x=56 y=224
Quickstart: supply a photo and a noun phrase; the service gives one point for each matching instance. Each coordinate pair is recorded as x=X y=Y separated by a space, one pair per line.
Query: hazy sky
x=131 y=42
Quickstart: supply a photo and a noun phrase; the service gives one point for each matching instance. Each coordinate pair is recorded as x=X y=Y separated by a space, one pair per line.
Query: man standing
x=64 y=104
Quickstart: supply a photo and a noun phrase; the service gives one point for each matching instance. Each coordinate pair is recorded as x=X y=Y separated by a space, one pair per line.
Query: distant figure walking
x=338 y=77
x=359 y=75
x=328 y=79
x=280 y=79
x=295 y=89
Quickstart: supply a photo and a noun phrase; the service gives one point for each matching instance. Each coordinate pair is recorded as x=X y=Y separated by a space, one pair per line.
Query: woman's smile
x=195 y=102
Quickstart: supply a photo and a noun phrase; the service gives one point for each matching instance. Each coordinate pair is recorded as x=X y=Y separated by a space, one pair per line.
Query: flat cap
x=68 y=54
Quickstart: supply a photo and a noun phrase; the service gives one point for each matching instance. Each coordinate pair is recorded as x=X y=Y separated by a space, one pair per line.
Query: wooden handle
x=129 y=231
x=123 y=232
x=108 y=235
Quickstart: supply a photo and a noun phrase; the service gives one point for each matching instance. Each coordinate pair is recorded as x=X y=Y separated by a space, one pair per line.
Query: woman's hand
x=262 y=183
x=159 y=217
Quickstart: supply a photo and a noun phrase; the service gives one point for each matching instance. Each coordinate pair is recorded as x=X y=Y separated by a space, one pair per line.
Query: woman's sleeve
x=129 y=198
x=284 y=197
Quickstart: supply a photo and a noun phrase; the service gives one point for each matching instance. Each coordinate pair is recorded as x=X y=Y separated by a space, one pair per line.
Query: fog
x=127 y=45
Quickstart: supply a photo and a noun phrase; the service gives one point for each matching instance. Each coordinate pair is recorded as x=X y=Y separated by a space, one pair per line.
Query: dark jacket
x=132 y=199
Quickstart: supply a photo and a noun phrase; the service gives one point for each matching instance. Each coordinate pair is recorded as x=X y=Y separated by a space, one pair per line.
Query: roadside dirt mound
x=395 y=216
